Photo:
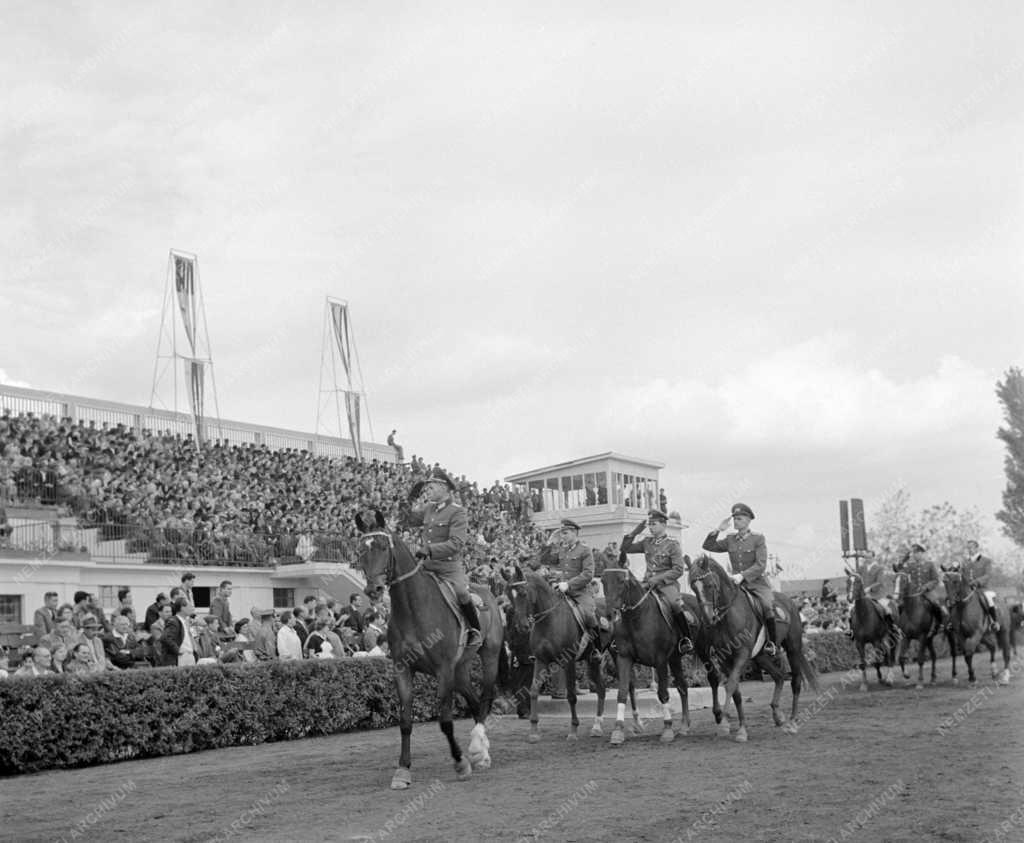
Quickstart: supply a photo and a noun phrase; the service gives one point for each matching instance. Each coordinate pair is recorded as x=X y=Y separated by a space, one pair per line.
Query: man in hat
x=748 y=556
x=976 y=570
x=879 y=584
x=918 y=575
x=264 y=640
x=665 y=565
x=444 y=532
x=572 y=563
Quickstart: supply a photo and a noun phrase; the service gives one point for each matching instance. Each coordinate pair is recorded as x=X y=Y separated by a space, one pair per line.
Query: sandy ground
x=944 y=763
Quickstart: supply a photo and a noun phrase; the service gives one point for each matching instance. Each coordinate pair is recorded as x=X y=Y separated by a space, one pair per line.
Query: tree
x=942 y=529
x=1011 y=394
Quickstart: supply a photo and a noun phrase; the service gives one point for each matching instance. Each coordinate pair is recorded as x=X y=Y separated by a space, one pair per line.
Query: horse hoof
x=667 y=735
x=596 y=731
x=402 y=779
x=863 y=687
x=789 y=727
x=463 y=769
x=723 y=729
x=1004 y=678
x=919 y=687
x=684 y=730
x=533 y=737
x=572 y=736
x=482 y=764
x=741 y=735
x=635 y=729
x=618 y=738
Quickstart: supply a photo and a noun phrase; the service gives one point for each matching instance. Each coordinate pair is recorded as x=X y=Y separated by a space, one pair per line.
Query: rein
x=532 y=619
x=646 y=594
x=390 y=576
x=719 y=611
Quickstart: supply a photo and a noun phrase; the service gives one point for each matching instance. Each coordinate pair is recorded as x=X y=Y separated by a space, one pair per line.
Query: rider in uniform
x=976 y=570
x=919 y=575
x=878 y=585
x=445 y=530
x=748 y=555
x=572 y=563
x=665 y=565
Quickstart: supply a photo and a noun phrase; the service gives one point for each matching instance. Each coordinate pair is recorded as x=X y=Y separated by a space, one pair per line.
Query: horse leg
x=540 y=670
x=931 y=653
x=675 y=664
x=636 y=726
x=667 y=734
x=863 y=665
x=445 y=686
x=951 y=639
x=596 y=673
x=403 y=683
x=569 y=670
x=716 y=706
x=741 y=731
x=479 y=745
x=779 y=678
x=732 y=691
x=625 y=665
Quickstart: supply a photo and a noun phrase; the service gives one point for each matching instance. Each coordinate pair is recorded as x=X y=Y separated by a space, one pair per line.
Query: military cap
x=917 y=548
x=264 y=613
x=435 y=475
x=572 y=525
x=742 y=509
x=657 y=515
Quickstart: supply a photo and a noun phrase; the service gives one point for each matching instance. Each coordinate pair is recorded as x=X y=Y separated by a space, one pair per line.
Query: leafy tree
x=941 y=528
x=1011 y=394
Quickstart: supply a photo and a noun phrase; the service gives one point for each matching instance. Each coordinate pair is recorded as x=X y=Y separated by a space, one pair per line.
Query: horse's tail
x=798 y=664
x=504 y=667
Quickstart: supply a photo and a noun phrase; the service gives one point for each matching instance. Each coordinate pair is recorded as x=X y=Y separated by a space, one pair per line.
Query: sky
x=777 y=250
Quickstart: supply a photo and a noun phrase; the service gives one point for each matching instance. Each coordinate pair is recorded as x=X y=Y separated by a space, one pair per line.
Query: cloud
x=7 y=380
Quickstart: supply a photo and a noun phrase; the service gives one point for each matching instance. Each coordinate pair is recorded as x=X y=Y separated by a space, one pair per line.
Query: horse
x=972 y=628
x=918 y=619
x=555 y=641
x=424 y=637
x=734 y=633
x=643 y=635
x=868 y=626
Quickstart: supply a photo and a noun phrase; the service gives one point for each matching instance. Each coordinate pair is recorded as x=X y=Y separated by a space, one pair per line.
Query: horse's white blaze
x=666 y=710
x=620 y=712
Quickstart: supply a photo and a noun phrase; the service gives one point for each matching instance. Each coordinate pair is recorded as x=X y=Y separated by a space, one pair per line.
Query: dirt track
x=885 y=745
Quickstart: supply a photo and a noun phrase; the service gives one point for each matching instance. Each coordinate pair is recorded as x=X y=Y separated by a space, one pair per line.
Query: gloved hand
x=639 y=528
x=563 y=586
x=650 y=585
x=421 y=552
x=737 y=578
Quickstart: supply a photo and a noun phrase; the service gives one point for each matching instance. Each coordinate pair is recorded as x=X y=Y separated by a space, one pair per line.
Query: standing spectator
x=125 y=605
x=38 y=665
x=828 y=594
x=352 y=615
x=317 y=646
x=220 y=608
x=45 y=620
x=92 y=634
x=81 y=607
x=207 y=636
x=399 y=452
x=289 y=647
x=4 y=664
x=186 y=586
x=264 y=637
x=123 y=649
x=177 y=642
x=301 y=621
x=153 y=611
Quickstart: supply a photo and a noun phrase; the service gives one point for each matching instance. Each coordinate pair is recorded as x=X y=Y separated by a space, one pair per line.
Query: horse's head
x=711 y=585
x=524 y=592
x=376 y=553
x=615 y=582
x=957 y=588
x=854 y=585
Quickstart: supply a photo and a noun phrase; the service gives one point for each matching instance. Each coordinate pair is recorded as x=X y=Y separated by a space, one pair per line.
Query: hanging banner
x=185 y=284
x=339 y=320
x=196 y=372
x=352 y=408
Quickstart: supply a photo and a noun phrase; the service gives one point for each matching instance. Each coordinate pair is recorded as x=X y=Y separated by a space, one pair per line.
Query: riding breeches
x=763 y=592
x=459 y=580
x=670 y=591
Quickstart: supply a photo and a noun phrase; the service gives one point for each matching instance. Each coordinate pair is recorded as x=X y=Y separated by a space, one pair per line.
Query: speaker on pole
x=844 y=525
x=860 y=535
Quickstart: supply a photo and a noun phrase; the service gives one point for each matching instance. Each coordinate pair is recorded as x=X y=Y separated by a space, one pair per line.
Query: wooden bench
x=15 y=635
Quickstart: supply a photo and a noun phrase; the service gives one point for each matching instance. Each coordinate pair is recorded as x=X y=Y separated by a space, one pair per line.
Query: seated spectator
x=59 y=657
x=5 y=663
x=289 y=647
x=92 y=637
x=207 y=635
x=38 y=665
x=45 y=620
x=122 y=647
x=317 y=645
x=82 y=661
x=64 y=633
x=153 y=610
x=373 y=636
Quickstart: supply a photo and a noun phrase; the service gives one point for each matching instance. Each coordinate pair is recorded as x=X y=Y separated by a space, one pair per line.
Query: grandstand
x=100 y=495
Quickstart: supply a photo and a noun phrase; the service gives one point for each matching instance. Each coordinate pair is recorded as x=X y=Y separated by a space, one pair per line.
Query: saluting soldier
x=665 y=565
x=572 y=562
x=444 y=532
x=748 y=555
x=976 y=570
x=919 y=575
x=879 y=584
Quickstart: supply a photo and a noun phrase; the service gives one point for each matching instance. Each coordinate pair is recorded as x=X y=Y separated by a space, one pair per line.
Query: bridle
x=532 y=619
x=390 y=577
x=718 y=612
x=629 y=575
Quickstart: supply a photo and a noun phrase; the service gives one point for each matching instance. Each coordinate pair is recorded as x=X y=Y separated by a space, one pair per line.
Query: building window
x=10 y=608
x=536 y=491
x=617 y=488
x=201 y=596
x=108 y=596
x=284 y=598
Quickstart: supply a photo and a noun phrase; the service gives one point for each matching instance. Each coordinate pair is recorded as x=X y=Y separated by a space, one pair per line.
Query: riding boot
x=679 y=616
x=473 y=622
x=769 y=638
x=995 y=620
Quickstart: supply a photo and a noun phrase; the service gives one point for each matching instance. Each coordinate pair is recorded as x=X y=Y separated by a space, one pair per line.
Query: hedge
x=73 y=721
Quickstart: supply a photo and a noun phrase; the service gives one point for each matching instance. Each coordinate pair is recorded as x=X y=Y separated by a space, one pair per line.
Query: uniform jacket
x=664 y=558
x=445 y=531
x=748 y=554
x=977 y=570
x=919 y=576
x=878 y=581
x=573 y=563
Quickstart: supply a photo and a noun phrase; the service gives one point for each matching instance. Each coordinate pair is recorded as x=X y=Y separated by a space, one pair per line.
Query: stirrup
x=474 y=637
x=770 y=648
x=685 y=646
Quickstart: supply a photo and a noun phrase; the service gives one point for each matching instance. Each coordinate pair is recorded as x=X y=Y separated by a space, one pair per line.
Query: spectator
x=81 y=661
x=64 y=632
x=122 y=647
x=373 y=635
x=153 y=610
x=177 y=641
x=125 y=606
x=352 y=615
x=38 y=665
x=317 y=645
x=264 y=636
x=289 y=646
x=82 y=607
x=187 y=579
x=92 y=635
x=45 y=620
x=220 y=608
x=399 y=452
x=5 y=664
x=207 y=637
x=301 y=629
x=58 y=658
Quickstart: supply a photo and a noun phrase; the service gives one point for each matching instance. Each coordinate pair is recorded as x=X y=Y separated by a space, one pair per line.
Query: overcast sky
x=779 y=251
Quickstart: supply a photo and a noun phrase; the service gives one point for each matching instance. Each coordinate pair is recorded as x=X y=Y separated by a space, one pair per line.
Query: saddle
x=781 y=614
x=452 y=602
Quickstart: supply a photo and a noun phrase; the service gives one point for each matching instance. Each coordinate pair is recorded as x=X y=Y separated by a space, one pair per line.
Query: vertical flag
x=196 y=372
x=352 y=408
x=339 y=320
x=185 y=285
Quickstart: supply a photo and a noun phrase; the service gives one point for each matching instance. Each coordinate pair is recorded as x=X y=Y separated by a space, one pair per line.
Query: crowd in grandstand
x=179 y=500
x=79 y=637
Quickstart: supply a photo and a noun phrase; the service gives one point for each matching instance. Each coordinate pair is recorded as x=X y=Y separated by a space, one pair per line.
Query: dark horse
x=921 y=620
x=644 y=636
x=972 y=628
x=423 y=637
x=869 y=627
x=733 y=628
x=555 y=639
